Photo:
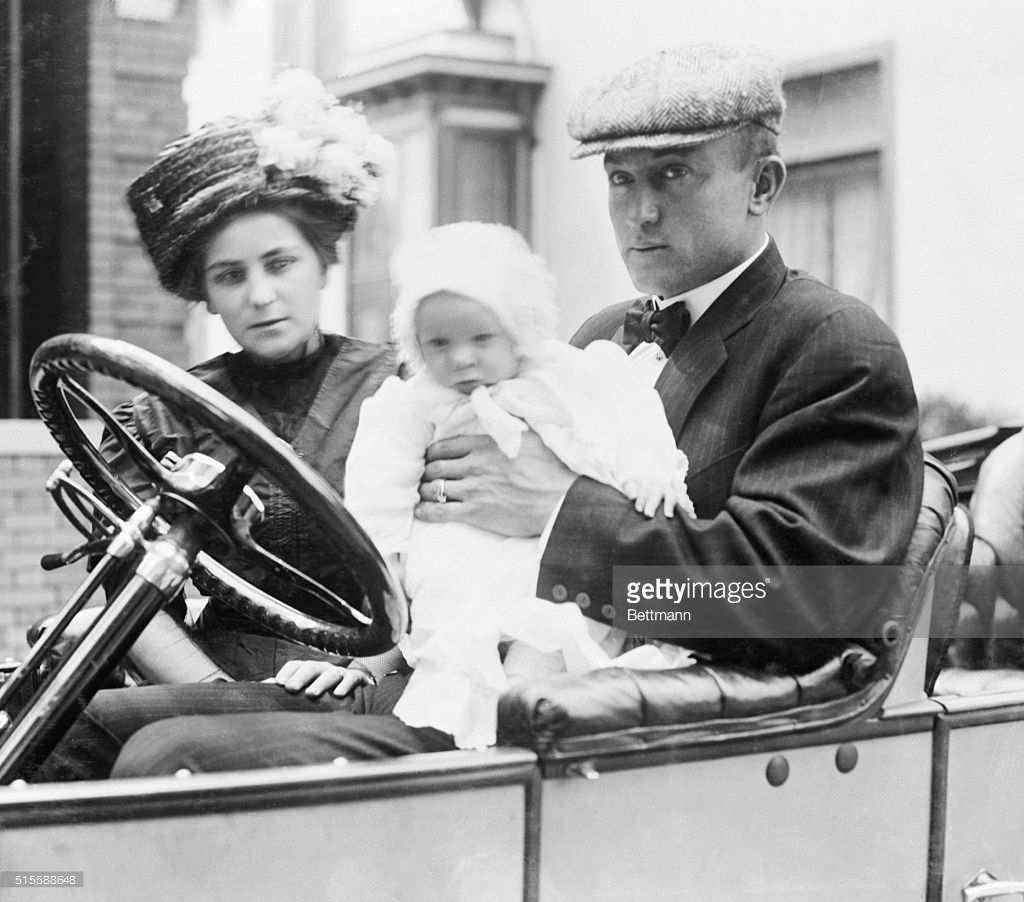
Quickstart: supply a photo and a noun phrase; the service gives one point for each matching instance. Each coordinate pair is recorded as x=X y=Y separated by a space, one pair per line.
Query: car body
x=610 y=788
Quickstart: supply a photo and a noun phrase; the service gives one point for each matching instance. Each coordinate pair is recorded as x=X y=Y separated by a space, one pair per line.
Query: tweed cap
x=304 y=149
x=677 y=97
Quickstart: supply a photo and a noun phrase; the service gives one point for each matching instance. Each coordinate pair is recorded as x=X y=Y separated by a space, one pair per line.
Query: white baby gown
x=471 y=588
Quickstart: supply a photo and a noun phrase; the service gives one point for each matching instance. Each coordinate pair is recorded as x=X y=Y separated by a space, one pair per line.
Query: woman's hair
x=321 y=233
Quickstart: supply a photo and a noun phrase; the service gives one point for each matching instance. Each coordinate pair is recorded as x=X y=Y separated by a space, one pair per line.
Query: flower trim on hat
x=305 y=132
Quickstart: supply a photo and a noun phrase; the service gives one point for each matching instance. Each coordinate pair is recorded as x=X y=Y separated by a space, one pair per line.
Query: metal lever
x=62 y=559
x=984 y=886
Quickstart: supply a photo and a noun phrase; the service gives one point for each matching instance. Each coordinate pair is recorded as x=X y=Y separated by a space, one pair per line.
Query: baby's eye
x=484 y=337
x=437 y=343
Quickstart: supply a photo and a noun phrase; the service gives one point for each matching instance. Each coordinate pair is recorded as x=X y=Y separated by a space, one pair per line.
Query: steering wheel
x=373 y=624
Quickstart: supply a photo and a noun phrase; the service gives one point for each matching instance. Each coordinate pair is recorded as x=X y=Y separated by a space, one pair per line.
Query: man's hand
x=318 y=677
x=484 y=488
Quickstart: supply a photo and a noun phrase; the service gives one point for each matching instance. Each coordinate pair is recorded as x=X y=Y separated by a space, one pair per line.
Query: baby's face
x=462 y=343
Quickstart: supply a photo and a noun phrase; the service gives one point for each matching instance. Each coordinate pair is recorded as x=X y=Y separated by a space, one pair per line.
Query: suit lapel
x=701 y=353
x=684 y=376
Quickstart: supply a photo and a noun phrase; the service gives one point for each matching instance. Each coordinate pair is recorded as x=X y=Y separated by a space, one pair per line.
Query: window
x=828 y=223
x=462 y=129
x=478 y=176
x=832 y=216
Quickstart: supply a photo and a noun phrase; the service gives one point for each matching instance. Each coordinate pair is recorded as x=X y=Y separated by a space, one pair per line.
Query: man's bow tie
x=645 y=323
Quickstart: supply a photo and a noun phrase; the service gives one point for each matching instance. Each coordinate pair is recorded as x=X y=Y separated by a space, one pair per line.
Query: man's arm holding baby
x=512 y=497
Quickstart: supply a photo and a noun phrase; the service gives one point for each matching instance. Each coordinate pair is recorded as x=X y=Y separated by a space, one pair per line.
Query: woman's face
x=264 y=280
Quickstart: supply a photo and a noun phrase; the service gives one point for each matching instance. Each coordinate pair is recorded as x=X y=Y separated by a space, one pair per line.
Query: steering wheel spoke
x=315 y=594
x=131 y=446
x=82 y=509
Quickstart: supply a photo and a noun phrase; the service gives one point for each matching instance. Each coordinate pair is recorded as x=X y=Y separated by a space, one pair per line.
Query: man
x=793 y=402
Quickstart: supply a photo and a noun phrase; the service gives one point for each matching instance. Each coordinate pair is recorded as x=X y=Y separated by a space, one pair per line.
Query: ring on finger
x=440 y=496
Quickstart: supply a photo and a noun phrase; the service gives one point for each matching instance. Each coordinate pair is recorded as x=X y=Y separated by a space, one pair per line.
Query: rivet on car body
x=891 y=632
x=846 y=758
x=777 y=771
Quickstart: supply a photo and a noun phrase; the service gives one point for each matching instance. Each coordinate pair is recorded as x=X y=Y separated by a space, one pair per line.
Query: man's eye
x=674 y=171
x=619 y=178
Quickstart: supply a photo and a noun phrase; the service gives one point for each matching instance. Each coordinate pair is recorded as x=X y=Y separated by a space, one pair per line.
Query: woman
x=245 y=216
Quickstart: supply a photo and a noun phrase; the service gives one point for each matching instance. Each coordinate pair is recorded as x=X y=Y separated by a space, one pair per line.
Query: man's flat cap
x=680 y=96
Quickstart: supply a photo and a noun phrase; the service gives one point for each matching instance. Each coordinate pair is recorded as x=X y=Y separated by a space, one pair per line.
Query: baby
x=474 y=320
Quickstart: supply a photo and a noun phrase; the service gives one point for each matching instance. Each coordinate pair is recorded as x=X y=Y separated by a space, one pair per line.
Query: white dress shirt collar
x=703 y=296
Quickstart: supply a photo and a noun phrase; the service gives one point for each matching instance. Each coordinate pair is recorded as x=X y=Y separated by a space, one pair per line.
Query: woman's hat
x=304 y=148
x=483 y=261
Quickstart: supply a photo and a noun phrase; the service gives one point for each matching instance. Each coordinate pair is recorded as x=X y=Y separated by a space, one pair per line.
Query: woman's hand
x=484 y=488
x=318 y=677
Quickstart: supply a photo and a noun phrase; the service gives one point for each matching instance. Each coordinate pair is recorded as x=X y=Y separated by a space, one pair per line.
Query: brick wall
x=30 y=526
x=136 y=70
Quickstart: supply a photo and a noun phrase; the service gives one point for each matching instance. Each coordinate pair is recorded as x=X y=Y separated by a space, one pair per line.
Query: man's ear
x=769 y=177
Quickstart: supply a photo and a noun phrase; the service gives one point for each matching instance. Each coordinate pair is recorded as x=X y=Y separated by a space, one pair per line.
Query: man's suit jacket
x=795 y=406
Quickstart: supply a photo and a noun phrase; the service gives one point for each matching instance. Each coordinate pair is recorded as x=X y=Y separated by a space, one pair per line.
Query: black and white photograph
x=491 y=450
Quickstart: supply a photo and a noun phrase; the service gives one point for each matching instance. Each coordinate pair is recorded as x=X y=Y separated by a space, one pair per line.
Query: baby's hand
x=649 y=495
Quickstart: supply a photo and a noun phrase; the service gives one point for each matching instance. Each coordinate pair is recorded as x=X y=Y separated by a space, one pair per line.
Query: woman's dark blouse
x=313 y=404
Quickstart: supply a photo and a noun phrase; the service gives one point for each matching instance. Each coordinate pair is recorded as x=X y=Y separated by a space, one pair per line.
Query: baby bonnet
x=487 y=262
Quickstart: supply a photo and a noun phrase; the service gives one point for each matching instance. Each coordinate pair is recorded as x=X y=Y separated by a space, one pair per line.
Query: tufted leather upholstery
x=545 y=713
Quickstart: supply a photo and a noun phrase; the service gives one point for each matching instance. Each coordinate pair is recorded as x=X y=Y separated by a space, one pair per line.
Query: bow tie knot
x=644 y=322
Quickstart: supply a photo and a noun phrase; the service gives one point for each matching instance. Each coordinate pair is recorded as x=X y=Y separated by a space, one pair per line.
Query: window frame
x=814 y=147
